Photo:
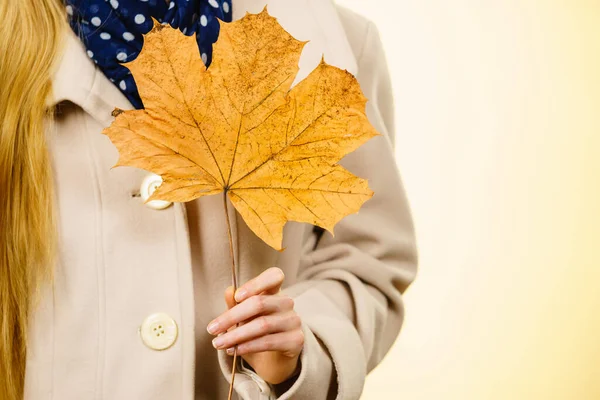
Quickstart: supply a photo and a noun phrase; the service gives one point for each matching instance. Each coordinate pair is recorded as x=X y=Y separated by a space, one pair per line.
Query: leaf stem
x=234 y=282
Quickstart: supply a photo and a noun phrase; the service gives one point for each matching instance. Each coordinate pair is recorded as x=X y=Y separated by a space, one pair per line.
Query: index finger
x=268 y=281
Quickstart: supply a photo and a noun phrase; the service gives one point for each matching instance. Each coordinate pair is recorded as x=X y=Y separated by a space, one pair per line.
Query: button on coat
x=158 y=331
x=150 y=183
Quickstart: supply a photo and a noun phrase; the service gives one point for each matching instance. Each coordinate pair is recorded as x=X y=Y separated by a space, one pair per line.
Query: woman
x=105 y=297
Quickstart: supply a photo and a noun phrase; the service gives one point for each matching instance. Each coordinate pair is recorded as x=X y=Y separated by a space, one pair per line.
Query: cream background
x=498 y=118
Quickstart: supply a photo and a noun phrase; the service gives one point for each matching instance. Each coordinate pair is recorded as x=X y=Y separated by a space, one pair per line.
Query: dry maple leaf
x=237 y=127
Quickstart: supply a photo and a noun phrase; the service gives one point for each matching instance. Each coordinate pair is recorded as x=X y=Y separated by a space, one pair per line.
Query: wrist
x=296 y=371
x=284 y=386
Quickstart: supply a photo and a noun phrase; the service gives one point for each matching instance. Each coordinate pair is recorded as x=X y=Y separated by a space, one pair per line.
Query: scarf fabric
x=111 y=30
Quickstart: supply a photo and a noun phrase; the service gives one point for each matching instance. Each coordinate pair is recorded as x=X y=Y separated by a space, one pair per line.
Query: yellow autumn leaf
x=236 y=127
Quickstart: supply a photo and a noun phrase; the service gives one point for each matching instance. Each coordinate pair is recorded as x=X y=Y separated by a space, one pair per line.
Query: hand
x=269 y=337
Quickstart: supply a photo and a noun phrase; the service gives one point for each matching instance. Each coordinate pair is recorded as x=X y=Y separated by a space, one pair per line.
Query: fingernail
x=240 y=294
x=213 y=327
x=230 y=350
x=217 y=342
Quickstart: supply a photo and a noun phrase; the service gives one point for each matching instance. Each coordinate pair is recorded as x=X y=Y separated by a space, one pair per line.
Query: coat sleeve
x=350 y=289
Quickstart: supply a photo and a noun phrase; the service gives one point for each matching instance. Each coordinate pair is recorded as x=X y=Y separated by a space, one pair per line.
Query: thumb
x=229 y=299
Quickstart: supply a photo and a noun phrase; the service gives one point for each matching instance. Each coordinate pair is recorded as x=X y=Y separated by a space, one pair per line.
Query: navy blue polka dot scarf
x=112 y=30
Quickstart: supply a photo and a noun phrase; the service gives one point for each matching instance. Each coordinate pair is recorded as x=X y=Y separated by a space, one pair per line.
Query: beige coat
x=122 y=261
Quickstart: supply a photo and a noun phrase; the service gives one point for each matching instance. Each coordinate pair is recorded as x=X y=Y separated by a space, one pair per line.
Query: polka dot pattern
x=112 y=30
x=139 y=19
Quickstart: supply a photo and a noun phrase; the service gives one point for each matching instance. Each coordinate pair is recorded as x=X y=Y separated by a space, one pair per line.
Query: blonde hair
x=30 y=32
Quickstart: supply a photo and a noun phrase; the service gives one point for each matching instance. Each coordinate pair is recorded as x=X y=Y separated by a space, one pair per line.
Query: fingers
x=254 y=306
x=289 y=343
x=268 y=281
x=259 y=326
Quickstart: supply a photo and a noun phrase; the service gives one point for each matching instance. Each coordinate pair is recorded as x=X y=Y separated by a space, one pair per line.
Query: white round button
x=158 y=331
x=149 y=185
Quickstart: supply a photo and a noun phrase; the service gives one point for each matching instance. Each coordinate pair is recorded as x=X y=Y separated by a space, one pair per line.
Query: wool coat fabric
x=121 y=261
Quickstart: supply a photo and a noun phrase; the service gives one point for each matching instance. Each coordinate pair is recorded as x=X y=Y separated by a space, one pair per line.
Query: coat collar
x=79 y=81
